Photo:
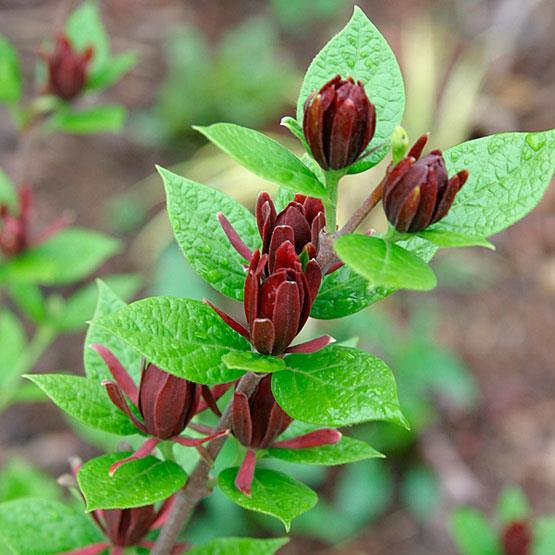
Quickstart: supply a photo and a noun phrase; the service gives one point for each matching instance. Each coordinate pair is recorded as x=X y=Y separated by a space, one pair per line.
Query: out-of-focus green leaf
x=473 y=534
x=420 y=492
x=19 y=479
x=10 y=73
x=239 y=546
x=98 y=119
x=512 y=506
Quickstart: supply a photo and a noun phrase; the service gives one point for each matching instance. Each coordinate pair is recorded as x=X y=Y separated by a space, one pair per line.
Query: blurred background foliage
x=474 y=361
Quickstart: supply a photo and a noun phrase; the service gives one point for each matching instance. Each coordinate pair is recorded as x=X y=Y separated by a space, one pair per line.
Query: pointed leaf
x=135 y=484
x=273 y=493
x=182 y=336
x=192 y=209
x=472 y=533
x=10 y=73
x=359 y=50
x=384 y=264
x=337 y=386
x=264 y=157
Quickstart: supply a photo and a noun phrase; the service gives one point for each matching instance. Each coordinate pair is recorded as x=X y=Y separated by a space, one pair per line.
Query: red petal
x=234 y=238
x=143 y=451
x=328 y=436
x=286 y=257
x=231 y=322
x=245 y=476
x=116 y=396
x=454 y=185
x=311 y=346
x=267 y=294
x=286 y=316
x=313 y=274
x=294 y=217
x=92 y=549
x=416 y=150
x=195 y=442
x=407 y=211
x=277 y=424
x=427 y=204
x=241 y=418
x=280 y=235
x=263 y=335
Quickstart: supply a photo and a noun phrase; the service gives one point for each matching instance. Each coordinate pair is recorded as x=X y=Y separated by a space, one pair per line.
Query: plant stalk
x=197 y=486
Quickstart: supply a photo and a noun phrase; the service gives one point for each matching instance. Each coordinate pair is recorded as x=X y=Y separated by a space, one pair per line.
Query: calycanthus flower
x=165 y=403
x=257 y=422
x=15 y=227
x=339 y=121
x=417 y=191
x=283 y=277
x=67 y=69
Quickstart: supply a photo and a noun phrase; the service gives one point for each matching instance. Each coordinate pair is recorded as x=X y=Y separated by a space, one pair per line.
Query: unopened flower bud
x=517 y=539
x=67 y=69
x=418 y=192
x=339 y=122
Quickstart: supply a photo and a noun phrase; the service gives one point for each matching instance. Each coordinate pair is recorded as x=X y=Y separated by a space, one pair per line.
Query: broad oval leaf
x=86 y=401
x=239 y=546
x=45 y=527
x=273 y=493
x=264 y=157
x=135 y=484
x=347 y=450
x=509 y=174
x=108 y=303
x=192 y=209
x=337 y=386
x=360 y=50
x=68 y=256
x=253 y=362
x=181 y=336
x=384 y=264
x=10 y=73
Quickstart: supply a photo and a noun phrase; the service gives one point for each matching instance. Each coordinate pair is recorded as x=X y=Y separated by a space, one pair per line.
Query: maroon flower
x=279 y=288
x=126 y=527
x=418 y=192
x=165 y=402
x=257 y=422
x=15 y=235
x=339 y=122
x=67 y=69
x=517 y=539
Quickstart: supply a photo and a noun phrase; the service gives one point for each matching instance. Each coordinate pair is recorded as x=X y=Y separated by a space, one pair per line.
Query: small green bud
x=399 y=144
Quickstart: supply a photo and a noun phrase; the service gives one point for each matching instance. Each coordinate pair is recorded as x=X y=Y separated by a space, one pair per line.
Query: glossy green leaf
x=509 y=174
x=294 y=127
x=86 y=401
x=98 y=119
x=345 y=292
x=10 y=73
x=337 y=386
x=512 y=506
x=264 y=157
x=253 y=362
x=473 y=534
x=45 y=527
x=182 y=336
x=347 y=450
x=444 y=238
x=273 y=493
x=384 y=264
x=80 y=307
x=359 y=50
x=239 y=546
x=108 y=303
x=135 y=484
x=66 y=257
x=193 y=209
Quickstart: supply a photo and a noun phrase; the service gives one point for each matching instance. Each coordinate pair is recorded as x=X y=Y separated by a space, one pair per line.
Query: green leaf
x=473 y=534
x=20 y=479
x=337 y=386
x=359 y=50
x=95 y=368
x=273 y=493
x=239 y=546
x=192 y=209
x=512 y=506
x=385 y=264
x=509 y=174
x=264 y=157
x=110 y=73
x=29 y=299
x=347 y=450
x=345 y=292
x=443 y=238
x=295 y=127
x=182 y=336
x=544 y=536
x=135 y=484
x=108 y=118
x=10 y=73
x=253 y=362
x=66 y=257
x=84 y=400
x=80 y=307
x=45 y=527
x=8 y=194
x=12 y=344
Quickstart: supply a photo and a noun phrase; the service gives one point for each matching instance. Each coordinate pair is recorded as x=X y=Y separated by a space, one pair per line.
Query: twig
x=196 y=487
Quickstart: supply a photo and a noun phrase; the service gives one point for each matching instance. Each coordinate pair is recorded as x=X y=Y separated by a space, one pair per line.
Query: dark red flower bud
x=166 y=403
x=517 y=539
x=14 y=228
x=418 y=192
x=278 y=297
x=300 y=222
x=257 y=421
x=67 y=69
x=339 y=122
x=127 y=527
